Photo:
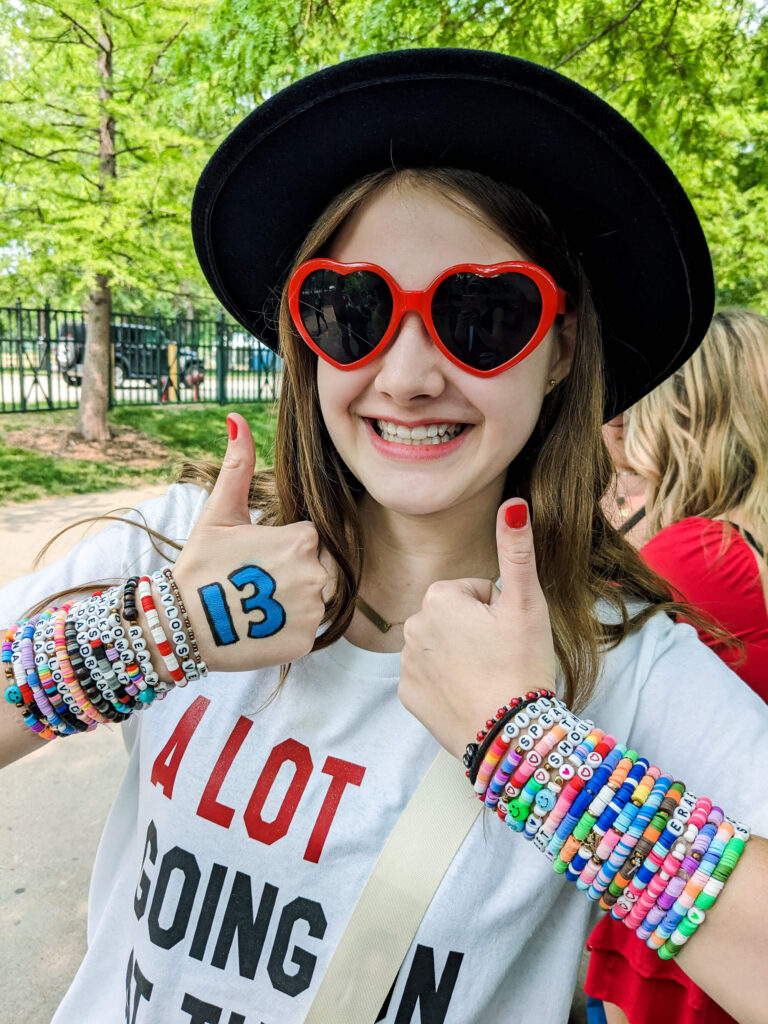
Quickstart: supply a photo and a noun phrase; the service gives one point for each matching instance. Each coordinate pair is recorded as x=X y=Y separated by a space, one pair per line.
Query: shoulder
x=669 y=696
x=700 y=557
x=694 y=535
x=138 y=539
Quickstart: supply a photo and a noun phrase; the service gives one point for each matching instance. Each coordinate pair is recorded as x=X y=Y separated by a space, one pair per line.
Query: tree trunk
x=92 y=420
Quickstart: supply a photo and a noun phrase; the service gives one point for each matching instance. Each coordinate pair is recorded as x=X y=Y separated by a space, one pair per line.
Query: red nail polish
x=516 y=516
x=231 y=428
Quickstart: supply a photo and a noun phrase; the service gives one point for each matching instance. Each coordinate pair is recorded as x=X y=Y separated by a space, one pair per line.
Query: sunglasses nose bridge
x=413 y=302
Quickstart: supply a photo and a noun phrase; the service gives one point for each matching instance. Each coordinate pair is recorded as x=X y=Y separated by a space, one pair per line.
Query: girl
x=700 y=441
x=408 y=479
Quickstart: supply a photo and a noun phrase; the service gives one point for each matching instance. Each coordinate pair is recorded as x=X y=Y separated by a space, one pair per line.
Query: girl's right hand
x=254 y=594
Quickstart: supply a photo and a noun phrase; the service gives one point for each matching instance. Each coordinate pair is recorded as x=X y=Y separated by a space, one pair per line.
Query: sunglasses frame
x=553 y=302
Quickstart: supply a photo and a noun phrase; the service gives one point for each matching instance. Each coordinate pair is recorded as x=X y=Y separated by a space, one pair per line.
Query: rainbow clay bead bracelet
x=652 y=853
x=73 y=667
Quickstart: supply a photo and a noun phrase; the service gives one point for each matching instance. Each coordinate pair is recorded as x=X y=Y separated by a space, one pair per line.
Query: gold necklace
x=373 y=616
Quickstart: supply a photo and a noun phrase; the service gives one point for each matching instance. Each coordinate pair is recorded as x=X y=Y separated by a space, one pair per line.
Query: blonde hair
x=701 y=437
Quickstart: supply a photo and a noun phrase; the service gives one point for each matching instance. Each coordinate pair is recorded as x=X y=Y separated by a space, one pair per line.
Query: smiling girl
x=430 y=557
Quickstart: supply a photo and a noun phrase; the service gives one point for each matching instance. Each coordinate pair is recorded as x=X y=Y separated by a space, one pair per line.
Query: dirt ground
x=127 y=445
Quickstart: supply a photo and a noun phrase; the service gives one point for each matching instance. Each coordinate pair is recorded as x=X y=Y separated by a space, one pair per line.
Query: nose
x=411 y=363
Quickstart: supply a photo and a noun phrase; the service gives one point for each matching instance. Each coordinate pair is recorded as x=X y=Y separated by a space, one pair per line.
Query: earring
x=551 y=382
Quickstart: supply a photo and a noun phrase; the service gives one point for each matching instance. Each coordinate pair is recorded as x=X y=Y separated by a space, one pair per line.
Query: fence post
x=222 y=353
x=48 y=349
x=20 y=353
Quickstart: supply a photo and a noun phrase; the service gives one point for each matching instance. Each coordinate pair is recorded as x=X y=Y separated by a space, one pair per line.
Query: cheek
x=337 y=390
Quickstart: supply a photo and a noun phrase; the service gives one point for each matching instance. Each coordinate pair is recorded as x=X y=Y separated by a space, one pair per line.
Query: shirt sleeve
x=668 y=695
x=114 y=553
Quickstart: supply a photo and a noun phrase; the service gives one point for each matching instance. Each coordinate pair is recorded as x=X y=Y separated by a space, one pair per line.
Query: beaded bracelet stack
x=653 y=854
x=73 y=667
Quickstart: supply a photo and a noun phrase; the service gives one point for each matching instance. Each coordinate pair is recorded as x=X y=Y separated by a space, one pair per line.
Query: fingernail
x=231 y=428
x=516 y=516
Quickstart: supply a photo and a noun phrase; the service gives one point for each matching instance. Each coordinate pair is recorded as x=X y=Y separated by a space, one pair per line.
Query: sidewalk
x=54 y=801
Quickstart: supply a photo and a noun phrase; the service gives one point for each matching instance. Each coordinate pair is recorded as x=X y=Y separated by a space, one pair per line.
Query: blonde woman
x=700 y=441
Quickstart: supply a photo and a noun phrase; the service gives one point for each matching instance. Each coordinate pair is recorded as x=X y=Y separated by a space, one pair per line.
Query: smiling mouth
x=425 y=435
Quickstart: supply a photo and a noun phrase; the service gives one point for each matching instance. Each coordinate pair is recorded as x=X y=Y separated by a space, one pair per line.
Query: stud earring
x=551 y=382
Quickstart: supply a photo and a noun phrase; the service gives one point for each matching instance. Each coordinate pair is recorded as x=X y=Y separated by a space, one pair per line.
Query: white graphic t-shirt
x=245 y=830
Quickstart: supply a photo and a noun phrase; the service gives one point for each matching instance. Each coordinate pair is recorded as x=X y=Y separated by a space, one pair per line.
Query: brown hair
x=564 y=469
x=701 y=438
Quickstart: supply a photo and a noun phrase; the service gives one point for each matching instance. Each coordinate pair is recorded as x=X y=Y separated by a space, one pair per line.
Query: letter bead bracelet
x=652 y=853
x=73 y=667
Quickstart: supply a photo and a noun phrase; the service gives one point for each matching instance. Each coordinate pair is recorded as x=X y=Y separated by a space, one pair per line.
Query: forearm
x=97 y=660
x=667 y=863
x=728 y=957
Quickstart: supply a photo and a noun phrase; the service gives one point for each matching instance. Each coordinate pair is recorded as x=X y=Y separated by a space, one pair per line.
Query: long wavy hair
x=563 y=470
x=701 y=437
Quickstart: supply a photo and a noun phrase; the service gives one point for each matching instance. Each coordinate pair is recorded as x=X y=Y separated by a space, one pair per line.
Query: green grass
x=188 y=432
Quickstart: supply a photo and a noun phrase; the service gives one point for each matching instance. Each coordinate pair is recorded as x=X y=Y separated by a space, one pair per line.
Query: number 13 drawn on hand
x=219 y=616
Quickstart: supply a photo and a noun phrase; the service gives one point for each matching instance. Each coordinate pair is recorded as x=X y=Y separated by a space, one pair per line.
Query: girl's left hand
x=470 y=649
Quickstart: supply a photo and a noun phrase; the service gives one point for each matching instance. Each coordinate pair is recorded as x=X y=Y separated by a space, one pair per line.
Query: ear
x=564 y=348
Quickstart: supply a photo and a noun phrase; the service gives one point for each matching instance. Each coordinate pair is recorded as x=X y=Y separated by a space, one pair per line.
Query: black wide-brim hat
x=621 y=208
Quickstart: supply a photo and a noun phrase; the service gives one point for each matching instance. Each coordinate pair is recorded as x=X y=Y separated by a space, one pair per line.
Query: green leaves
x=691 y=74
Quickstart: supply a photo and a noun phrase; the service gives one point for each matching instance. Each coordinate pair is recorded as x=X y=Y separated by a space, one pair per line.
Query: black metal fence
x=153 y=359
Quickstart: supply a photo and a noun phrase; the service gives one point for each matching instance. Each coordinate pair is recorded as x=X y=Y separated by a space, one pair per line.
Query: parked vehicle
x=246 y=352
x=141 y=353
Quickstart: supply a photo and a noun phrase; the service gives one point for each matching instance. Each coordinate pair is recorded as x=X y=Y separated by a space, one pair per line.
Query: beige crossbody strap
x=390 y=908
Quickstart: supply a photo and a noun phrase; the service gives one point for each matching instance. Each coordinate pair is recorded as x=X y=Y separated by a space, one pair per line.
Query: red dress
x=713 y=567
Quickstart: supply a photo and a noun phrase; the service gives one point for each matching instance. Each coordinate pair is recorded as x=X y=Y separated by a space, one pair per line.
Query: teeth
x=435 y=433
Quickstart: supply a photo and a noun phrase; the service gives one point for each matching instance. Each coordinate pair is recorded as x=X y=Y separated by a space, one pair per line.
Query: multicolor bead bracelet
x=73 y=667
x=651 y=852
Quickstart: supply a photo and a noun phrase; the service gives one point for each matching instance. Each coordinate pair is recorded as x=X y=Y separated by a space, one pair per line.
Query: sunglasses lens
x=486 y=321
x=346 y=315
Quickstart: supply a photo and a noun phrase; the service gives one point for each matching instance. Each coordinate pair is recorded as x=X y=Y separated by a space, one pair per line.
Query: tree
x=691 y=74
x=95 y=168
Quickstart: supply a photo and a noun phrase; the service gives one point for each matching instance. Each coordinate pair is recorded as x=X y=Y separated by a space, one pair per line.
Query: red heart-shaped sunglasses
x=483 y=318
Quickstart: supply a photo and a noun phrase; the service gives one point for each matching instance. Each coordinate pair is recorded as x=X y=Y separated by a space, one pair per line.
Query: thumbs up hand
x=470 y=649
x=254 y=594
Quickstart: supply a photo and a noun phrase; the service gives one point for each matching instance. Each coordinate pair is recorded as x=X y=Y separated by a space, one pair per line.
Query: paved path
x=54 y=802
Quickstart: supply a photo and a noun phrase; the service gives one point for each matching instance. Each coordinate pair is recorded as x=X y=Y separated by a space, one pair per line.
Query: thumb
x=517 y=559
x=228 y=503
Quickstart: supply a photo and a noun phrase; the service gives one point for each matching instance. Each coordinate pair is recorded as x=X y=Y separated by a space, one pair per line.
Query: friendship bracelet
x=200 y=665
x=525 y=717
x=179 y=635
x=144 y=592
x=651 y=852
x=475 y=752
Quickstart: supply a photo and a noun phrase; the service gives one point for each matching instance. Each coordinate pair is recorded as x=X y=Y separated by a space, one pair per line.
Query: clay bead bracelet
x=475 y=753
x=144 y=593
x=179 y=637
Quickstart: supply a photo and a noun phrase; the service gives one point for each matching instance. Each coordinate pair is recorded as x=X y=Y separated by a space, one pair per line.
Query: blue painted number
x=261 y=599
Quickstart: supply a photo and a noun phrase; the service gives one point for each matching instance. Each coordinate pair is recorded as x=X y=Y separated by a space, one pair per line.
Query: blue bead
x=13 y=695
x=545 y=799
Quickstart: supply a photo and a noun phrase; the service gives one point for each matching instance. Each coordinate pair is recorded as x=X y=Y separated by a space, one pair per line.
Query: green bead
x=516 y=811
x=668 y=950
x=559 y=865
x=584 y=826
